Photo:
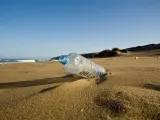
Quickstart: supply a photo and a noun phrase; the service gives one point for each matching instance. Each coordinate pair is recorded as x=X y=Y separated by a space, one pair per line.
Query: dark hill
x=144 y=48
x=115 y=51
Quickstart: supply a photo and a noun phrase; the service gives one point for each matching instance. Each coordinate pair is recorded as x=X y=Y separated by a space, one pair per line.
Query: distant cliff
x=116 y=51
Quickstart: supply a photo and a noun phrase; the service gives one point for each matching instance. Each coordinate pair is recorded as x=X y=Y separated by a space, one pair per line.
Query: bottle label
x=85 y=73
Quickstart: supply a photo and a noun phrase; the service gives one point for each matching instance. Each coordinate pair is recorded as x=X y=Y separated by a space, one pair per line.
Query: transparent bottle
x=81 y=66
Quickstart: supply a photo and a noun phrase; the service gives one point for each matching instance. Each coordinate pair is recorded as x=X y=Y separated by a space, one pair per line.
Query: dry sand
x=41 y=91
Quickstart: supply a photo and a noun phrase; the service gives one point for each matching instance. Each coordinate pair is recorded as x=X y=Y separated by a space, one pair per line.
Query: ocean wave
x=10 y=61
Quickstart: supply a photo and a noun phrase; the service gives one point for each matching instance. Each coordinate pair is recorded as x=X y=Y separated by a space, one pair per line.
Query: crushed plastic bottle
x=81 y=66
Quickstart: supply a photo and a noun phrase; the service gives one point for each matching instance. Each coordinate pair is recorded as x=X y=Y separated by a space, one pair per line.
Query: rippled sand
x=42 y=91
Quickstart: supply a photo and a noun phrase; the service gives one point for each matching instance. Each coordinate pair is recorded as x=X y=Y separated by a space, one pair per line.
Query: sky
x=48 y=28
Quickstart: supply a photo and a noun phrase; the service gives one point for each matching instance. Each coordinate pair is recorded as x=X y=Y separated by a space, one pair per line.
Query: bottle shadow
x=28 y=83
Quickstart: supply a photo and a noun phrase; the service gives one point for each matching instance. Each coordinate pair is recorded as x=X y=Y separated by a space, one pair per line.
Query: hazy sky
x=47 y=28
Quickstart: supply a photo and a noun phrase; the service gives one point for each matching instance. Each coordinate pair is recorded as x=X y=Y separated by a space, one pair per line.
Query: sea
x=12 y=61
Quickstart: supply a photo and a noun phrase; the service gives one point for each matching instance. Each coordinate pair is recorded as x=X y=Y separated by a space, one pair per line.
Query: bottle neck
x=64 y=59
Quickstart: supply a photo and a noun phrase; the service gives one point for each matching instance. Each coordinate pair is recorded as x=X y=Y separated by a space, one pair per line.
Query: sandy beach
x=42 y=91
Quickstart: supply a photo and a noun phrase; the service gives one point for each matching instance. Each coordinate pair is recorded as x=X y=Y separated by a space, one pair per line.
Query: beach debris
x=109 y=73
x=136 y=58
x=81 y=66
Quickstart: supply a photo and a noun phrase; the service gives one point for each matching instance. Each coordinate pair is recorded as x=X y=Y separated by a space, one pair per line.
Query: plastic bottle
x=79 y=65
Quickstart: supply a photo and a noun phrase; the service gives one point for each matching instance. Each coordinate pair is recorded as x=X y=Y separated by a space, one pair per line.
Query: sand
x=42 y=91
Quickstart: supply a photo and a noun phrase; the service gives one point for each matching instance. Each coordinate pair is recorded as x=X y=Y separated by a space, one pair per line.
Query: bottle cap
x=63 y=59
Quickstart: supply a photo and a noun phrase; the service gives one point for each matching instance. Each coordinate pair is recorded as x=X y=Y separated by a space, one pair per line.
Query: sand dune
x=42 y=91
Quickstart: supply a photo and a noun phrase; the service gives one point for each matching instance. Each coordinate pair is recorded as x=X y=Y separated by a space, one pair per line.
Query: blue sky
x=47 y=28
